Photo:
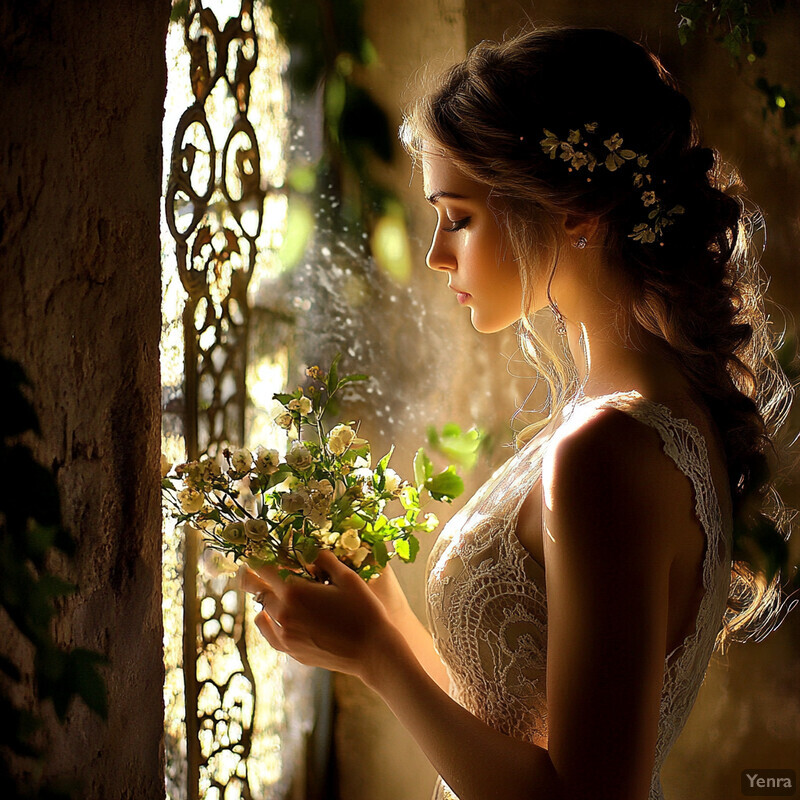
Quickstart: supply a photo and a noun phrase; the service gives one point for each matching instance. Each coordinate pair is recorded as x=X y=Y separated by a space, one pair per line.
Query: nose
x=439 y=256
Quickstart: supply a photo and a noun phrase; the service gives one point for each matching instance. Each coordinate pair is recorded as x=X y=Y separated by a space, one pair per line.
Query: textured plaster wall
x=83 y=86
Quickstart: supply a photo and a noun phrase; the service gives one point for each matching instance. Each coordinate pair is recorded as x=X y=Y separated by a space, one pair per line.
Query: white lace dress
x=487 y=607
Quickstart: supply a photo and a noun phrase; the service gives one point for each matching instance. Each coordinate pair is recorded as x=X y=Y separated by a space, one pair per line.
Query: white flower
x=393 y=481
x=357 y=558
x=256 y=529
x=233 y=532
x=340 y=438
x=350 y=540
x=166 y=466
x=242 y=460
x=267 y=461
x=216 y=564
x=191 y=500
x=327 y=536
x=302 y=404
x=299 y=457
x=431 y=522
x=210 y=469
x=284 y=420
x=325 y=487
x=363 y=481
x=292 y=502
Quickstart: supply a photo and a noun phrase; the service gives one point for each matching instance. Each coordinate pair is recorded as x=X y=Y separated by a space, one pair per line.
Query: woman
x=566 y=172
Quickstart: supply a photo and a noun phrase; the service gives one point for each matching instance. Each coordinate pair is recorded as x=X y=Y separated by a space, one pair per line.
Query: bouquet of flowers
x=265 y=508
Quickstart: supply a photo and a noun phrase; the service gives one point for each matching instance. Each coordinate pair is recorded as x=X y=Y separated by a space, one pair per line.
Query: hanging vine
x=737 y=25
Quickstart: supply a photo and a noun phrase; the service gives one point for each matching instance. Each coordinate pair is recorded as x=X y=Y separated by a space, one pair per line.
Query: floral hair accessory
x=581 y=150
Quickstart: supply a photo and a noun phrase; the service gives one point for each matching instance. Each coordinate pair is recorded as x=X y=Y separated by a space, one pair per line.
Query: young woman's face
x=468 y=247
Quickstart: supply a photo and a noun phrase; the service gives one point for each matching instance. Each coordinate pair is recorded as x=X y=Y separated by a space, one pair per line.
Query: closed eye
x=458 y=224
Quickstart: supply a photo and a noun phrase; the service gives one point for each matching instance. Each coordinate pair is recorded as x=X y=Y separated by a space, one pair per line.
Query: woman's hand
x=388 y=590
x=340 y=625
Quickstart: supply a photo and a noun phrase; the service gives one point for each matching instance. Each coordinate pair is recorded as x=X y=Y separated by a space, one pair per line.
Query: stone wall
x=80 y=144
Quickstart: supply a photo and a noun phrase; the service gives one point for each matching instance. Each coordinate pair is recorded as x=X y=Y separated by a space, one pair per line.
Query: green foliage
x=736 y=26
x=31 y=530
x=328 y=46
x=460 y=447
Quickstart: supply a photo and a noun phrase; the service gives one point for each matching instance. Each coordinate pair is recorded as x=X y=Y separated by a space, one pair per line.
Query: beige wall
x=80 y=142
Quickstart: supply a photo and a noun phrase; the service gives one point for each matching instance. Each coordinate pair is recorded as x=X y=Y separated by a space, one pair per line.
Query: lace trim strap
x=686 y=446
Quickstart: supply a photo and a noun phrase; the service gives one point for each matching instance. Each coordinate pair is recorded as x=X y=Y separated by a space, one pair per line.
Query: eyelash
x=458 y=225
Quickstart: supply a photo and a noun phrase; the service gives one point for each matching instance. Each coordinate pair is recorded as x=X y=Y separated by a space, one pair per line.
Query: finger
x=329 y=565
x=252 y=582
x=268 y=572
x=271 y=604
x=269 y=631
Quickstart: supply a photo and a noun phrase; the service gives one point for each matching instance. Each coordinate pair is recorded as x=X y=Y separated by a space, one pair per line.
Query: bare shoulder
x=608 y=471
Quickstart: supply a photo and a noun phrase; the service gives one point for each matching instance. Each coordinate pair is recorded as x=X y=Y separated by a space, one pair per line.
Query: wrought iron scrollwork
x=214 y=210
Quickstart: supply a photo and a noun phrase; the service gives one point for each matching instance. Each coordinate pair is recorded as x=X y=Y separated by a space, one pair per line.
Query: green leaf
x=333 y=375
x=87 y=682
x=310 y=550
x=384 y=462
x=283 y=398
x=423 y=468
x=456 y=445
x=356 y=376
x=446 y=485
x=409 y=497
x=381 y=553
x=355 y=521
x=407 y=549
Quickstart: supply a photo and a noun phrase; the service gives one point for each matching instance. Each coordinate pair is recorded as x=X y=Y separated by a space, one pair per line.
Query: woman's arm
x=613 y=505
x=388 y=590
x=609 y=510
x=343 y=626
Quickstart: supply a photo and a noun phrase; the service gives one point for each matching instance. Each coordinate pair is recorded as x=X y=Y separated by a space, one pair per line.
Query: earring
x=561 y=325
x=580 y=243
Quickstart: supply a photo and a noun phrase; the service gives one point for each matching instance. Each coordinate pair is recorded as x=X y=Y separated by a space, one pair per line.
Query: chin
x=491 y=325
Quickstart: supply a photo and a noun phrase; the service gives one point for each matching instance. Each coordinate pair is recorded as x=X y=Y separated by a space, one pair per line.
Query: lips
x=462 y=297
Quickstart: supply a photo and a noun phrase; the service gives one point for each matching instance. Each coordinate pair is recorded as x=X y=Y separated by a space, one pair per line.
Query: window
x=236 y=712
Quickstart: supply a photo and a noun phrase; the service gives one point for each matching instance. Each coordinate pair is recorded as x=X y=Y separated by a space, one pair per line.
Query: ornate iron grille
x=214 y=212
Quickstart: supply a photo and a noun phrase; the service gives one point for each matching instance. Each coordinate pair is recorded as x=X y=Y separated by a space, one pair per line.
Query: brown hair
x=699 y=290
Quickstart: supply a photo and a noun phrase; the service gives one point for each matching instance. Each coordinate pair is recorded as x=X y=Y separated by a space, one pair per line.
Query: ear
x=575 y=226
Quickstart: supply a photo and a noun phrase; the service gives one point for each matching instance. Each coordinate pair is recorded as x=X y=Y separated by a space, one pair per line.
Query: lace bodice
x=487 y=606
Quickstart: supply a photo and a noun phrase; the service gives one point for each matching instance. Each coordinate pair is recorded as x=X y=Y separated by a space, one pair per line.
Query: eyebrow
x=436 y=196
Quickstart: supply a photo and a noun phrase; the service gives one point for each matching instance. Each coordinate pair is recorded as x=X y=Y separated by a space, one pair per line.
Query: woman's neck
x=616 y=365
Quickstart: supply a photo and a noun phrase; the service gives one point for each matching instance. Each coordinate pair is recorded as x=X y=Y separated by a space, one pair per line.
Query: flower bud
x=233 y=532
x=256 y=529
x=284 y=420
x=301 y=404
